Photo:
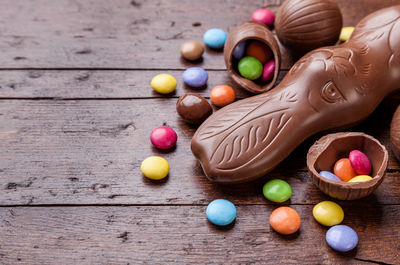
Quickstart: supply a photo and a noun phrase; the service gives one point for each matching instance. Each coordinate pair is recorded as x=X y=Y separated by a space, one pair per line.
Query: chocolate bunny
x=333 y=87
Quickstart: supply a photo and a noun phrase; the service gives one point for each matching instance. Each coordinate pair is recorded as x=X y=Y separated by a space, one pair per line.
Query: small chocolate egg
x=193 y=108
x=304 y=25
x=191 y=50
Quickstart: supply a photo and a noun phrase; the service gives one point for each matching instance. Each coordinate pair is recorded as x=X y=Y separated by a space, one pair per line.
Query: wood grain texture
x=89 y=152
x=182 y=235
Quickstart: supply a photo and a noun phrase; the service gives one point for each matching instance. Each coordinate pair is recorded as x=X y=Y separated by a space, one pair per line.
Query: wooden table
x=76 y=111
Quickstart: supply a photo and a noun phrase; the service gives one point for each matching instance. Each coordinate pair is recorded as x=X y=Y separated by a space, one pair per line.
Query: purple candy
x=239 y=50
x=341 y=238
x=195 y=77
x=329 y=175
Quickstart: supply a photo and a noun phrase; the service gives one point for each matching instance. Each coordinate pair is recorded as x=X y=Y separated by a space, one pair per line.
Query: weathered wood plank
x=88 y=152
x=125 y=33
x=182 y=235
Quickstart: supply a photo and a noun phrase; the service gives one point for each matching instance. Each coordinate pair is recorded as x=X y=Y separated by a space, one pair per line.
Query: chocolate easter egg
x=395 y=134
x=193 y=108
x=304 y=25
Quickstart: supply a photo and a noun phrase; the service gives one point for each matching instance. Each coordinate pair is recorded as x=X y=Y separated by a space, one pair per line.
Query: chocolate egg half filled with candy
x=304 y=25
x=256 y=32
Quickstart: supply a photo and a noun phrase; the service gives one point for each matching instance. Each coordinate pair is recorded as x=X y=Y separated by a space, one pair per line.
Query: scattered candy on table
x=163 y=83
x=346 y=33
x=285 y=220
x=329 y=175
x=341 y=238
x=268 y=70
x=222 y=95
x=191 y=50
x=361 y=178
x=240 y=50
x=328 y=213
x=263 y=16
x=259 y=50
x=250 y=68
x=221 y=212
x=155 y=167
x=195 y=77
x=343 y=169
x=163 y=137
x=215 y=38
x=193 y=108
x=360 y=162
x=277 y=190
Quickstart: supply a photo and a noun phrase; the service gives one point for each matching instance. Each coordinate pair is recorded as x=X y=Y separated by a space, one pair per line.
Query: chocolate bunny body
x=331 y=87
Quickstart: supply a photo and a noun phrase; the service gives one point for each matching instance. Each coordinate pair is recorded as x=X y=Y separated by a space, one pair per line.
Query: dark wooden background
x=76 y=111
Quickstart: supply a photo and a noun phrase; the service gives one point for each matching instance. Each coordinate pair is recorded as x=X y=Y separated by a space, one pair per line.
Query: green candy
x=250 y=68
x=277 y=190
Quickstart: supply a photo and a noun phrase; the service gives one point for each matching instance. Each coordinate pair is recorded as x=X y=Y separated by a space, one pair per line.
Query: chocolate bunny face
x=331 y=87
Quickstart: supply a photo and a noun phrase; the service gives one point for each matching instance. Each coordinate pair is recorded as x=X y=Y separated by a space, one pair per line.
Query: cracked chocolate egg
x=332 y=147
x=304 y=25
x=395 y=134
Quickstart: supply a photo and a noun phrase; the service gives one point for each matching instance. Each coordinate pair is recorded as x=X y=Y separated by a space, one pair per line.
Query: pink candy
x=268 y=71
x=163 y=137
x=263 y=16
x=360 y=162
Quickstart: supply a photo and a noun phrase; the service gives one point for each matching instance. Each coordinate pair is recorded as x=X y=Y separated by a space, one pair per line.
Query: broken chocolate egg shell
x=332 y=147
x=251 y=31
x=395 y=134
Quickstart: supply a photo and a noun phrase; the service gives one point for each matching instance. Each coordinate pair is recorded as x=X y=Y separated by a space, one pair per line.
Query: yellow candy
x=346 y=33
x=328 y=213
x=163 y=83
x=360 y=178
x=155 y=167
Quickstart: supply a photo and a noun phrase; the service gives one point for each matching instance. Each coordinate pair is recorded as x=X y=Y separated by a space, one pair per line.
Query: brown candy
x=331 y=87
x=395 y=133
x=191 y=50
x=251 y=31
x=304 y=25
x=193 y=108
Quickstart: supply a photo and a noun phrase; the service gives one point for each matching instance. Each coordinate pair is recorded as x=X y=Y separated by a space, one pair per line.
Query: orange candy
x=259 y=50
x=222 y=95
x=285 y=220
x=343 y=169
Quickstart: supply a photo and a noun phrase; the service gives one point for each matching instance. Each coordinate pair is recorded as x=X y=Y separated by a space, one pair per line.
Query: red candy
x=263 y=16
x=360 y=162
x=163 y=137
x=268 y=71
x=343 y=169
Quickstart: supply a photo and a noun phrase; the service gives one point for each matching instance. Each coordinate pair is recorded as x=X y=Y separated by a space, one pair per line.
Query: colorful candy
x=341 y=238
x=239 y=50
x=155 y=167
x=360 y=178
x=263 y=16
x=285 y=220
x=259 y=50
x=193 y=108
x=343 y=169
x=328 y=213
x=346 y=33
x=163 y=83
x=215 y=38
x=250 y=68
x=163 y=137
x=360 y=162
x=268 y=70
x=191 y=50
x=329 y=175
x=221 y=212
x=195 y=77
x=222 y=95
x=277 y=190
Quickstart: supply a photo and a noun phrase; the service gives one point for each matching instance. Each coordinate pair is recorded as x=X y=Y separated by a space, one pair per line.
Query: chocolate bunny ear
x=329 y=88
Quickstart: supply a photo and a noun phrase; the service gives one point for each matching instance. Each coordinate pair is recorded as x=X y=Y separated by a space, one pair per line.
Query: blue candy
x=195 y=77
x=239 y=50
x=215 y=38
x=341 y=238
x=329 y=175
x=221 y=212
